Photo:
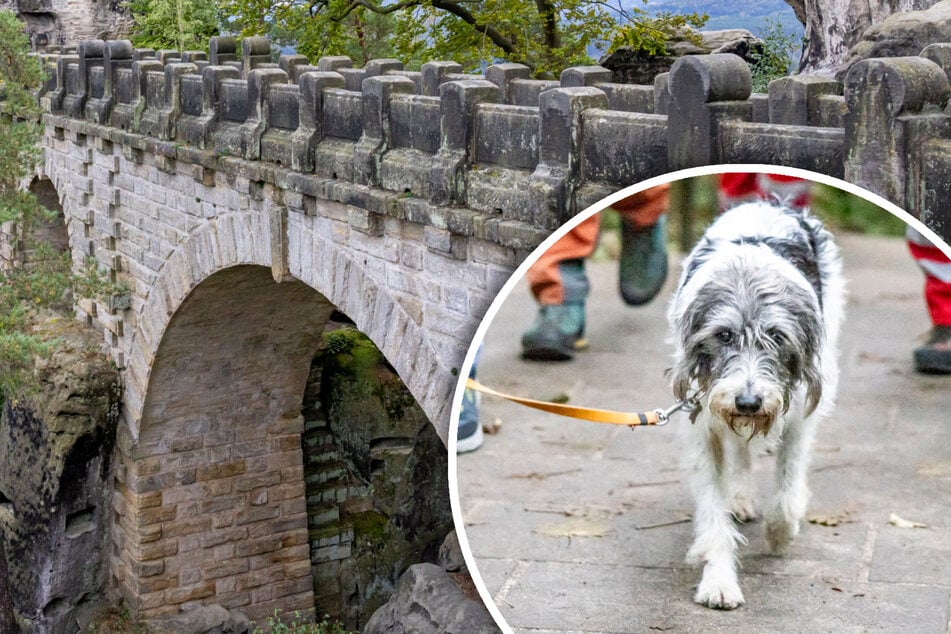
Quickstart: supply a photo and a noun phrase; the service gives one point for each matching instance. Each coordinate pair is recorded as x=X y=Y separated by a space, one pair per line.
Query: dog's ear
x=680 y=380
x=812 y=379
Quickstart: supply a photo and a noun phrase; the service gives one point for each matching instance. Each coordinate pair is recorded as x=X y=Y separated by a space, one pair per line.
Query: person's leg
x=469 y=435
x=560 y=286
x=643 y=266
x=934 y=357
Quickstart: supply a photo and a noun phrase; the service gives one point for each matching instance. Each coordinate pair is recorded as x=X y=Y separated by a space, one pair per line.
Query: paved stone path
x=578 y=527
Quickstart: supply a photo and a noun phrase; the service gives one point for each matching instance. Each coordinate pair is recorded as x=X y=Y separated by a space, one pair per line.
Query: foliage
x=19 y=132
x=650 y=34
x=48 y=282
x=116 y=621
x=841 y=210
x=299 y=625
x=774 y=59
x=546 y=35
x=179 y=24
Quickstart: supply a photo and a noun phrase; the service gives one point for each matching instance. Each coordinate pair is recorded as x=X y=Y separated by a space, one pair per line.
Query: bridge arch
x=210 y=501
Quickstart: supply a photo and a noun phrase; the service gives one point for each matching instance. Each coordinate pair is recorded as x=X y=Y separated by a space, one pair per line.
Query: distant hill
x=730 y=14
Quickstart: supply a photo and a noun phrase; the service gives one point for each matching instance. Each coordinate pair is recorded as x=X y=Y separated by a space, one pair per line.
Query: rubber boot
x=643 y=261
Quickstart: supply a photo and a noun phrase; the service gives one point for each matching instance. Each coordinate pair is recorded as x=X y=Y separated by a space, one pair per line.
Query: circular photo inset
x=718 y=402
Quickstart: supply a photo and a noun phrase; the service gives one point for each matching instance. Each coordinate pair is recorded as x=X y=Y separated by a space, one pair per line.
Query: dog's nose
x=748 y=403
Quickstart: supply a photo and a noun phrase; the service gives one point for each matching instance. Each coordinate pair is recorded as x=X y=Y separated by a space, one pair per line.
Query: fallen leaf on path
x=493 y=427
x=828 y=519
x=901 y=522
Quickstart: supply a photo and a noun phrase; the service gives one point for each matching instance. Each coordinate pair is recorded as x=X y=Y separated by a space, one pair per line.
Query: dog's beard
x=722 y=403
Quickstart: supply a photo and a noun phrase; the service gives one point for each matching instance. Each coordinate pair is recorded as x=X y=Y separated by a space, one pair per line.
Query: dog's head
x=748 y=331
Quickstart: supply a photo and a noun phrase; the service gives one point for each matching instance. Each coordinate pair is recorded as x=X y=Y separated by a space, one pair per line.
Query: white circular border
x=517 y=275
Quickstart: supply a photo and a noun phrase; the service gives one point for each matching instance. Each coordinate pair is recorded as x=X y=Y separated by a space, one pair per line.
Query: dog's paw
x=719 y=593
x=779 y=534
x=744 y=510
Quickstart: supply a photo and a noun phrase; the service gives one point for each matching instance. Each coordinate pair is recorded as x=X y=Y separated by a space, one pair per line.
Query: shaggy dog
x=755 y=322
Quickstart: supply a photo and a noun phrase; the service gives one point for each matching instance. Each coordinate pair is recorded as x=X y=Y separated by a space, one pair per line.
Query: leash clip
x=688 y=405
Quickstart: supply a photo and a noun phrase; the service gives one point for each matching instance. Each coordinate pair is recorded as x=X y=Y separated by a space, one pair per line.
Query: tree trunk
x=834 y=26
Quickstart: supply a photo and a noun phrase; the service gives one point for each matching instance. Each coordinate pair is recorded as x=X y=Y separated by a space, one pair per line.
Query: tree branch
x=450 y=6
x=490 y=31
x=375 y=8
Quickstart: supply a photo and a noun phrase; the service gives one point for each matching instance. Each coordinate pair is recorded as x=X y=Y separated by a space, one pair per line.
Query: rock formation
x=902 y=34
x=834 y=27
x=637 y=67
x=56 y=441
x=62 y=22
x=432 y=599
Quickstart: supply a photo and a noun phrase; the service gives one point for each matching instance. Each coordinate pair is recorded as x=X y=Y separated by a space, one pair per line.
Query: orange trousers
x=643 y=209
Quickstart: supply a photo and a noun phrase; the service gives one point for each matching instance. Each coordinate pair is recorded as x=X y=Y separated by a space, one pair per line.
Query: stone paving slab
x=577 y=527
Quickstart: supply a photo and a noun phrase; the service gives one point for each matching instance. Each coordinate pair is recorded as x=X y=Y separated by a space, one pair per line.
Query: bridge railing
x=499 y=142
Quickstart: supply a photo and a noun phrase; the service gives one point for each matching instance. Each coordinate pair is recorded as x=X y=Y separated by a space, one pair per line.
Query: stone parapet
x=384 y=127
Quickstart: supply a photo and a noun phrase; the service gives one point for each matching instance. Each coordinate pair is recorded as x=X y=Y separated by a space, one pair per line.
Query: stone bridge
x=242 y=201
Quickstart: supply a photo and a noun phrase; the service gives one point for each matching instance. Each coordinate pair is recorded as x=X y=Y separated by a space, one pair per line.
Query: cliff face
x=834 y=27
x=56 y=442
x=62 y=22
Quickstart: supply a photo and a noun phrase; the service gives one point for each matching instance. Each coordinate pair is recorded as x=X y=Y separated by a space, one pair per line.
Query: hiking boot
x=934 y=357
x=469 y=435
x=643 y=261
x=557 y=333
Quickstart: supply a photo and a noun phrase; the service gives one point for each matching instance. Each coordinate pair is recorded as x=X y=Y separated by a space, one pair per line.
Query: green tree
x=179 y=24
x=48 y=282
x=546 y=35
x=775 y=58
x=20 y=74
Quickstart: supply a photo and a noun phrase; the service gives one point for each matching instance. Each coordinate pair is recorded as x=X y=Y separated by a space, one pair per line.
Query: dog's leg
x=715 y=536
x=740 y=480
x=792 y=492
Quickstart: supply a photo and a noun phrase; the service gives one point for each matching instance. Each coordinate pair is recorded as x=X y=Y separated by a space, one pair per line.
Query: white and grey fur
x=755 y=323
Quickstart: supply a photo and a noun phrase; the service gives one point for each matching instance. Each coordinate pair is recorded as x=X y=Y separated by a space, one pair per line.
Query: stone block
x=257 y=514
x=502 y=75
x=332 y=63
x=883 y=97
x=794 y=100
x=577 y=76
x=191 y=593
x=694 y=85
x=222 y=470
x=434 y=74
x=457 y=111
x=377 y=93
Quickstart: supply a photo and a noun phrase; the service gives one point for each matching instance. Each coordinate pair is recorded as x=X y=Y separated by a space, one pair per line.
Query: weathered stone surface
x=636 y=67
x=377 y=478
x=892 y=104
x=901 y=34
x=56 y=440
x=450 y=554
x=60 y=22
x=204 y=619
x=427 y=601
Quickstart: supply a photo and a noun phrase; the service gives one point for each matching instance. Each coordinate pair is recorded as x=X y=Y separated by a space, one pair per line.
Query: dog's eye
x=776 y=335
x=725 y=337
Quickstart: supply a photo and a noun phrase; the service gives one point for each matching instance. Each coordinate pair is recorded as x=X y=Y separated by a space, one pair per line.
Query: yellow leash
x=657 y=417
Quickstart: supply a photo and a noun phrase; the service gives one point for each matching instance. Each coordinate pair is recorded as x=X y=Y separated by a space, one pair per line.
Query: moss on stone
x=369 y=525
